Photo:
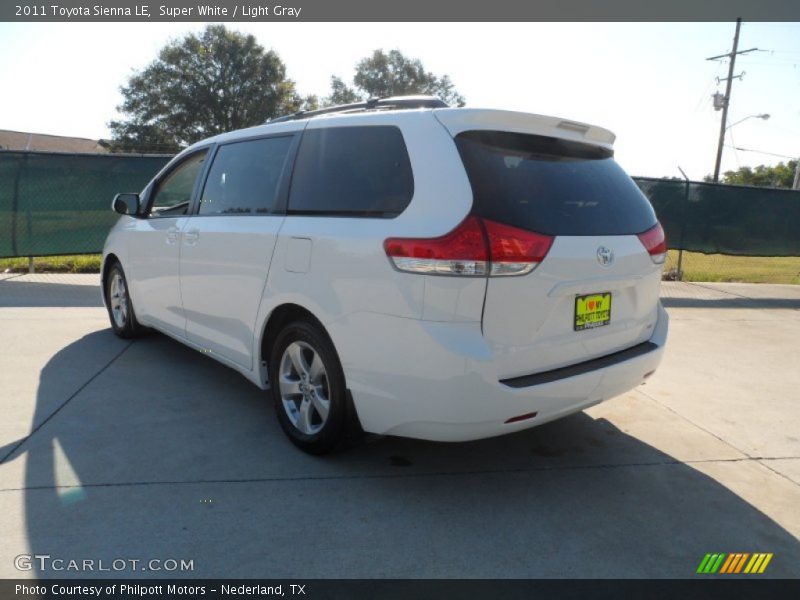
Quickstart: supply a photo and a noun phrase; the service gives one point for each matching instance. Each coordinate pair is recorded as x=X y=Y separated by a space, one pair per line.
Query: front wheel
x=119 y=304
x=308 y=388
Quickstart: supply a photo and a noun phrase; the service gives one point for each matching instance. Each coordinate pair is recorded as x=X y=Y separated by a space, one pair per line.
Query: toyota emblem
x=605 y=256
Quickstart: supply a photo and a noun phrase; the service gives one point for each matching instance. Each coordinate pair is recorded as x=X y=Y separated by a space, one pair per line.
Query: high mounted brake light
x=477 y=247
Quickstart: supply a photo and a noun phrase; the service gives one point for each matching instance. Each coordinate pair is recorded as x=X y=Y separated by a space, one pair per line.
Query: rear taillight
x=477 y=247
x=515 y=251
x=655 y=242
x=461 y=252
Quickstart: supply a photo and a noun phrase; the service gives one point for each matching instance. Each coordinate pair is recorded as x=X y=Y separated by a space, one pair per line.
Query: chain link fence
x=727 y=232
x=58 y=204
x=52 y=203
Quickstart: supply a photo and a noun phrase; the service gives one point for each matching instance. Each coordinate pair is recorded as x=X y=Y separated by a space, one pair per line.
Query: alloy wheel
x=118 y=299
x=304 y=390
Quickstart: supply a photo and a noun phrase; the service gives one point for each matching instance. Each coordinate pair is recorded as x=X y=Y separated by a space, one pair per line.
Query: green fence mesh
x=61 y=203
x=726 y=219
x=53 y=204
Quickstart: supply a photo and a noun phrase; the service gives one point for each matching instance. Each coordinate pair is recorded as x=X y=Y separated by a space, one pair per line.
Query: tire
x=308 y=389
x=119 y=304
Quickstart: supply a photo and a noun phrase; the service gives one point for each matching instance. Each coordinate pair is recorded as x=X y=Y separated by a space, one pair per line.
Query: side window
x=357 y=171
x=173 y=194
x=244 y=177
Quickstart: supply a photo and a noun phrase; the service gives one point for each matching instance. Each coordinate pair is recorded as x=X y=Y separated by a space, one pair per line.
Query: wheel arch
x=280 y=316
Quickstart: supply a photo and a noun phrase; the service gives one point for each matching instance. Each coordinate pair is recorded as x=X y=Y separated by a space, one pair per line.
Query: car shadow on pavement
x=166 y=454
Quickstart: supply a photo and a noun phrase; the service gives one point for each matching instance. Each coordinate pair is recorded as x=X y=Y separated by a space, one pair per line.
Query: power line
x=762 y=152
x=735 y=154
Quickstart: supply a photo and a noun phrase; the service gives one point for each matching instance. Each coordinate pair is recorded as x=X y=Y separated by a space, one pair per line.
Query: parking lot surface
x=148 y=450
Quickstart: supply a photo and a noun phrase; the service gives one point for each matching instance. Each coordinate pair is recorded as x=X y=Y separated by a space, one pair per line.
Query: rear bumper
x=609 y=360
x=436 y=381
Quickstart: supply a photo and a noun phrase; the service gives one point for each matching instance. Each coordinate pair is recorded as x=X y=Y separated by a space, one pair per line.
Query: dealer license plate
x=592 y=310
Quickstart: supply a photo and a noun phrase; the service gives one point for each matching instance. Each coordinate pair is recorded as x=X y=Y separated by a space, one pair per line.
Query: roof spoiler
x=467 y=119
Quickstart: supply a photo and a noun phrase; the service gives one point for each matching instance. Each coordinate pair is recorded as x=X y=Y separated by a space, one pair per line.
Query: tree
x=202 y=85
x=341 y=93
x=779 y=176
x=392 y=74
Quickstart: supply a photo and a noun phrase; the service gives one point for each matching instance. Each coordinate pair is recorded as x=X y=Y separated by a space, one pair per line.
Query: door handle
x=191 y=236
x=172 y=235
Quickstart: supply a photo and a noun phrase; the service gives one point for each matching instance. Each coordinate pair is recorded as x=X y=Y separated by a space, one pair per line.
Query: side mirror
x=126 y=204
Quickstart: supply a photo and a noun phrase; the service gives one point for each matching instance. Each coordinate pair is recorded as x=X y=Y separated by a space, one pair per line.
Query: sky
x=647 y=82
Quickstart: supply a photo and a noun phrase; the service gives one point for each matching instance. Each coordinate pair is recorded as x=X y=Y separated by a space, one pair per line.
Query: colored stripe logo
x=736 y=562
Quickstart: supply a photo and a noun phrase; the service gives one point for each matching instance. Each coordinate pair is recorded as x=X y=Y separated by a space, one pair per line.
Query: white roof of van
x=455 y=120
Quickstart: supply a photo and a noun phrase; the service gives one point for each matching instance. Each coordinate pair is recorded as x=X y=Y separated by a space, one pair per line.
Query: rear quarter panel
x=348 y=271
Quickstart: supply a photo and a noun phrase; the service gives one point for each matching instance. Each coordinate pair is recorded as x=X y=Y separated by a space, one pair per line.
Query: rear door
x=228 y=243
x=596 y=291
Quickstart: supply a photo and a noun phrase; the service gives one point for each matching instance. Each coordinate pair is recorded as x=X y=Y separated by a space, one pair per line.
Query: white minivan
x=400 y=267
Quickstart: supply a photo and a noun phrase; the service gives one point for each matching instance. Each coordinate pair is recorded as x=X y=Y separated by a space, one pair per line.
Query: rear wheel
x=308 y=388
x=119 y=304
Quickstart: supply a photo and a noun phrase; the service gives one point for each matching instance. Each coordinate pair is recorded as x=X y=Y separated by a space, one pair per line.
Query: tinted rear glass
x=352 y=171
x=551 y=186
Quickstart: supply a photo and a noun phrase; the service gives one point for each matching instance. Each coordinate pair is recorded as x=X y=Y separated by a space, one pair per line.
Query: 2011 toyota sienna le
x=400 y=267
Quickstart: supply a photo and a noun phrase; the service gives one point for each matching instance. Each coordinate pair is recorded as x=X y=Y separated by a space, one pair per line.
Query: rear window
x=551 y=186
x=352 y=171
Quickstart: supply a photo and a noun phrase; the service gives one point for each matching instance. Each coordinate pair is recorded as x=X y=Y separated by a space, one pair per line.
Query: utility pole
x=796 y=184
x=727 y=100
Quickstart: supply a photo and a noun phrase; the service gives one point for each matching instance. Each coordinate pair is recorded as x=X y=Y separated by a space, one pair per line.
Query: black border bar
x=405 y=11
x=700 y=587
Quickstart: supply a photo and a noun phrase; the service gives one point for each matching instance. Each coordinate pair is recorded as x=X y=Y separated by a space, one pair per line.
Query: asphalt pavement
x=147 y=450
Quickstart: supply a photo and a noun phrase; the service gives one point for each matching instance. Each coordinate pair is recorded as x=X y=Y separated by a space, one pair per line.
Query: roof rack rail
x=393 y=103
